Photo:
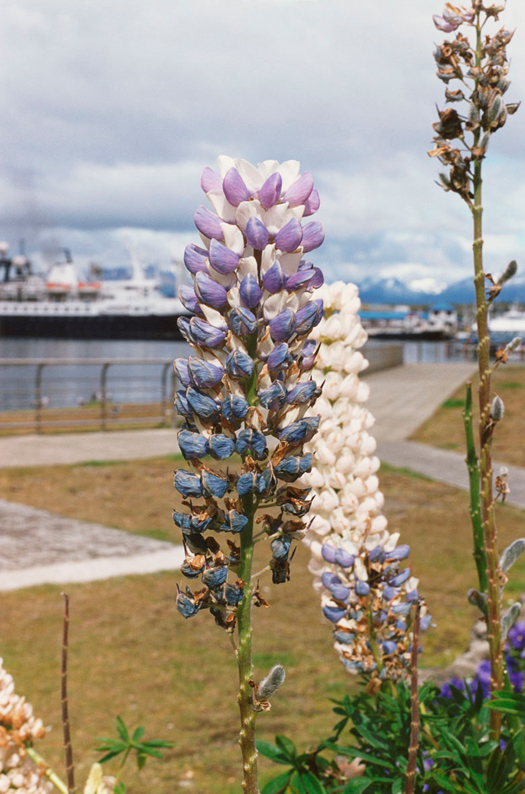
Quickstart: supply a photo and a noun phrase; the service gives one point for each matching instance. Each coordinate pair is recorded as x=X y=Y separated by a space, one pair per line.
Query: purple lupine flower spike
x=235 y=188
x=289 y=238
x=313 y=236
x=270 y=193
x=210 y=180
x=299 y=192
x=208 y=224
x=223 y=259
x=256 y=234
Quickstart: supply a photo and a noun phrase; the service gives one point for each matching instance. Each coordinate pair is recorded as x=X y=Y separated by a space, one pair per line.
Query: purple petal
x=222 y=259
x=210 y=180
x=318 y=279
x=208 y=223
x=209 y=291
x=250 y=291
x=234 y=188
x=328 y=552
x=195 y=258
x=189 y=299
x=282 y=326
x=299 y=279
x=270 y=193
x=443 y=25
x=312 y=203
x=289 y=237
x=256 y=234
x=313 y=236
x=300 y=190
x=273 y=279
x=306 y=318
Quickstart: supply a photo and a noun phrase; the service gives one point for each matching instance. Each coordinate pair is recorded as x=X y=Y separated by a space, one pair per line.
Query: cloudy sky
x=109 y=112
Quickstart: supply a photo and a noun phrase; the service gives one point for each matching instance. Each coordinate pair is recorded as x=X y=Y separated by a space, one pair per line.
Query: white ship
x=63 y=305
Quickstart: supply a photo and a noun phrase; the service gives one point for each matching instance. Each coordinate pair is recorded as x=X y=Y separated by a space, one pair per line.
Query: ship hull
x=95 y=327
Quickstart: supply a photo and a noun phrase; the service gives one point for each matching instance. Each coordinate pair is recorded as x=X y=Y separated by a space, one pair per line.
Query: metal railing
x=24 y=402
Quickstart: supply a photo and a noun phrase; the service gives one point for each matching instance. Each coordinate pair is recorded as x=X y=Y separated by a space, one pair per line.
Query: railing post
x=38 y=397
x=163 y=393
x=103 y=383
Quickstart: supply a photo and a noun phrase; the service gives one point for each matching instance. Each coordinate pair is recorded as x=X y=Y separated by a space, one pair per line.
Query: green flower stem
x=244 y=656
x=475 y=508
x=414 y=708
x=49 y=773
x=484 y=392
x=373 y=640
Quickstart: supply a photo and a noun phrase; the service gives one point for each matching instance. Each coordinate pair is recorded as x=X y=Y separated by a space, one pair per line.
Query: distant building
x=444 y=317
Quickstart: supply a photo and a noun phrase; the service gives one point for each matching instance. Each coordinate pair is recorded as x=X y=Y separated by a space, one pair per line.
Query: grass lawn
x=133 y=655
x=445 y=429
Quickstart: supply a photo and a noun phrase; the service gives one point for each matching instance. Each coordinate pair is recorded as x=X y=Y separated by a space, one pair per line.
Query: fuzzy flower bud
x=497 y=409
x=273 y=681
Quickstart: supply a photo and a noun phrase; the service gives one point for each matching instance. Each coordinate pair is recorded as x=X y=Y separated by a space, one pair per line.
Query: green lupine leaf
x=509 y=618
x=122 y=730
x=311 y=784
x=287 y=746
x=138 y=733
x=108 y=757
x=508 y=703
x=357 y=785
x=278 y=785
x=120 y=788
x=271 y=751
x=511 y=554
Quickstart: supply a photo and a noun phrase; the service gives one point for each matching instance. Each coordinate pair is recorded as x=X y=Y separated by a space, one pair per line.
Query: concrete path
x=37 y=547
x=69 y=448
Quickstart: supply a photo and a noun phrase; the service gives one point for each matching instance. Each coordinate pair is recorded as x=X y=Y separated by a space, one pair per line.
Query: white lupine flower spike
x=366 y=593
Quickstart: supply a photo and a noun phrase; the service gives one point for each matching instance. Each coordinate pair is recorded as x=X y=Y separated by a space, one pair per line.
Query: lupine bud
x=289 y=237
x=223 y=259
x=195 y=258
x=208 y=224
x=270 y=192
x=242 y=321
x=497 y=409
x=250 y=291
x=256 y=234
x=269 y=685
x=508 y=273
x=189 y=299
x=239 y=365
x=274 y=279
x=210 y=292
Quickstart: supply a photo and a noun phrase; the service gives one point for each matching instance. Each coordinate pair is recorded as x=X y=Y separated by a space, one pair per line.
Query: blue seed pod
x=250 y=291
x=233 y=594
x=187 y=484
x=213 y=484
x=242 y=321
x=215 y=576
x=334 y=614
x=425 y=622
x=234 y=408
x=340 y=592
x=254 y=440
x=398 y=580
x=401 y=609
x=246 y=483
x=182 y=520
x=328 y=552
x=306 y=318
x=182 y=405
x=274 y=396
x=206 y=335
x=344 y=637
x=195 y=542
x=234 y=521
x=186 y=606
x=399 y=553
x=221 y=447
x=204 y=375
x=282 y=326
x=279 y=358
x=281 y=547
x=190 y=572
x=389 y=592
x=239 y=365
x=361 y=588
x=328 y=579
x=389 y=647
x=192 y=445
x=344 y=558
x=181 y=370
x=265 y=482
x=202 y=405
x=303 y=393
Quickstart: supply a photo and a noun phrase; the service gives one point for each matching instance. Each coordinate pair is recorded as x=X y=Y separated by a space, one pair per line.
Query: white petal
x=279 y=215
x=289 y=171
x=247 y=210
x=214 y=317
x=227 y=280
x=225 y=163
x=268 y=258
x=267 y=168
x=290 y=263
x=247 y=265
x=233 y=297
x=252 y=178
x=233 y=238
x=274 y=305
x=221 y=205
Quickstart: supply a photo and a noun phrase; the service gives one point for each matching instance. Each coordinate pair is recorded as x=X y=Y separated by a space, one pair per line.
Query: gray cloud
x=112 y=110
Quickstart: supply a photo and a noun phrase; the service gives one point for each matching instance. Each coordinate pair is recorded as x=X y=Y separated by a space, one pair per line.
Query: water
x=138 y=383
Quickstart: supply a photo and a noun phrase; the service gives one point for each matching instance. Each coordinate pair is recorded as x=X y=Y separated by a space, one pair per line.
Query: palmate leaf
x=122 y=730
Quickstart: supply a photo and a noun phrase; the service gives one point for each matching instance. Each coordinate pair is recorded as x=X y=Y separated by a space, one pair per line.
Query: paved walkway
x=38 y=547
